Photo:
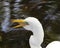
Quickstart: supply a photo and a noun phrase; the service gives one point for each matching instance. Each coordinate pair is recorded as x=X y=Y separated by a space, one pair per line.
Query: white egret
x=35 y=26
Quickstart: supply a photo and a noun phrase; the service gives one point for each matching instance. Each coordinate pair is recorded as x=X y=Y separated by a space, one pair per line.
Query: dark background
x=48 y=13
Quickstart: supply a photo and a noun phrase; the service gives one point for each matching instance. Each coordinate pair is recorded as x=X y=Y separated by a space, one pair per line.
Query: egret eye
x=26 y=23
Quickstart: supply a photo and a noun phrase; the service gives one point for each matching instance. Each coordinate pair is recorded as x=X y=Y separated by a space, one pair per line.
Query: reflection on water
x=5 y=22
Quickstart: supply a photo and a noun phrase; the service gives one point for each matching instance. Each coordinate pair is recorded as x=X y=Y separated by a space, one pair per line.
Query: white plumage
x=35 y=26
x=38 y=34
x=54 y=44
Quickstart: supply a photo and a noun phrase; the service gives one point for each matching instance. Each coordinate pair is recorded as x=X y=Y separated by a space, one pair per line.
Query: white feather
x=54 y=44
x=35 y=26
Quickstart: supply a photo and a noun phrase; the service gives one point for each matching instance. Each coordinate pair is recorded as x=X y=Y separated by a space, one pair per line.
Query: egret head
x=29 y=23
